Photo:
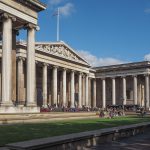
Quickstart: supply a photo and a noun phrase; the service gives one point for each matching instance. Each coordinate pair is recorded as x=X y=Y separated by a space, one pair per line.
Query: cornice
x=34 y=4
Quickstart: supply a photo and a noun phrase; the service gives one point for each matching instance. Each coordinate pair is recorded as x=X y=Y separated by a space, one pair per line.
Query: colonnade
x=6 y=100
x=30 y=98
x=83 y=99
x=124 y=89
x=7 y=38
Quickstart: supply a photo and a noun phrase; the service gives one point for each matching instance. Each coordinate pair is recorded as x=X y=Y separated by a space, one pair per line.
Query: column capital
x=54 y=66
x=5 y=16
x=90 y=78
x=124 y=76
x=31 y=26
x=113 y=77
x=87 y=74
x=73 y=71
x=94 y=79
x=103 y=78
x=135 y=75
x=21 y=58
x=80 y=73
x=36 y=62
x=45 y=64
x=64 y=69
x=145 y=75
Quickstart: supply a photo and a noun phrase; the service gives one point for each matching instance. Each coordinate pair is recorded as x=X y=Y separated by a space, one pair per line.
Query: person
x=110 y=114
x=101 y=114
x=143 y=112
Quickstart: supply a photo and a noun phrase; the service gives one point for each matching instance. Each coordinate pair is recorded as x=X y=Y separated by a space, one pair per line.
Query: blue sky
x=105 y=32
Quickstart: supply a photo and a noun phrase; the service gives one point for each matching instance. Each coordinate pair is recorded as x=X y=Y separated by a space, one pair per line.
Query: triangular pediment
x=60 y=49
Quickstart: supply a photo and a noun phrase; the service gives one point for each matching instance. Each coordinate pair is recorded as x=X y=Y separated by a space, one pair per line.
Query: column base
x=72 y=106
x=18 y=109
x=45 y=106
x=31 y=104
x=6 y=104
x=86 y=106
x=79 y=106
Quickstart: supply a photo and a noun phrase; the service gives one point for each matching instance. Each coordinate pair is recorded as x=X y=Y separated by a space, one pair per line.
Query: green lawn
x=21 y=132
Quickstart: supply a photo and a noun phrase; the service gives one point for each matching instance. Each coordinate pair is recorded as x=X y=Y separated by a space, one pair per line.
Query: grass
x=21 y=132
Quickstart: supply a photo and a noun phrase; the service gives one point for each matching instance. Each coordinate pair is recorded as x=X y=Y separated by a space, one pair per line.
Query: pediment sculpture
x=59 y=50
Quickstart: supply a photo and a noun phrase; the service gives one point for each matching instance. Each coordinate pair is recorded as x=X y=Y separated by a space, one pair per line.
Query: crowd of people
x=53 y=108
x=111 y=113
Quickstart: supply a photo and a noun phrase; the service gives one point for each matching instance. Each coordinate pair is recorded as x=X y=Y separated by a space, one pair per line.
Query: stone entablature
x=121 y=67
x=123 y=73
x=129 y=69
x=92 y=73
x=33 y=4
x=24 y=10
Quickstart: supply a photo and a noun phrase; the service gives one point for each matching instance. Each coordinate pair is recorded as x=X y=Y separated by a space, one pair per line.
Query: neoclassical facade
x=15 y=15
x=62 y=77
x=40 y=74
x=123 y=84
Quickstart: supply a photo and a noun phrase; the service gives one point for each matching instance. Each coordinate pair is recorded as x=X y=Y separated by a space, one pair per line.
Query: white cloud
x=147 y=57
x=147 y=10
x=95 y=61
x=67 y=9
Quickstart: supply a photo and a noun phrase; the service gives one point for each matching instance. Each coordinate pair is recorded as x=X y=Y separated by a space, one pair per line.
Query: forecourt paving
x=48 y=116
x=43 y=117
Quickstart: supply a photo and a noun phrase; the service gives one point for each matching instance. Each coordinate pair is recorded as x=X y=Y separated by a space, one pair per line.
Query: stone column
x=124 y=90
x=147 y=91
x=36 y=66
x=83 y=90
x=86 y=90
x=104 y=92
x=80 y=90
x=20 y=81
x=14 y=65
x=0 y=82
x=55 y=85
x=135 y=89
x=7 y=61
x=31 y=65
x=72 y=89
x=89 y=93
x=45 y=85
x=94 y=93
x=113 y=91
x=64 y=88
